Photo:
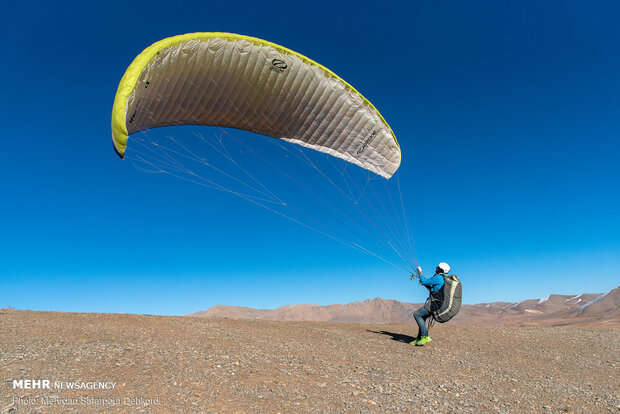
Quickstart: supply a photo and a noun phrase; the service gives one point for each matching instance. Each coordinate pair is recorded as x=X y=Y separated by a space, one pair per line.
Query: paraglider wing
x=236 y=81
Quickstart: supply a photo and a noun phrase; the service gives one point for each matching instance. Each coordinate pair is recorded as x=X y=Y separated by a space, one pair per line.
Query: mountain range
x=592 y=309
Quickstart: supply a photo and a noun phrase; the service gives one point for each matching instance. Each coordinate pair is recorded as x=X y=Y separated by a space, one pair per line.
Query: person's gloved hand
x=417 y=272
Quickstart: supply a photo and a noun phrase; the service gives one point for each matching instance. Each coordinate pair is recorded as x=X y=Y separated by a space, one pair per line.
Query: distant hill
x=369 y=311
x=607 y=304
x=553 y=310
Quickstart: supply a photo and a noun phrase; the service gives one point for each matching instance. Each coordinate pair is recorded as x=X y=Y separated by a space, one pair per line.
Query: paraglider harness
x=445 y=303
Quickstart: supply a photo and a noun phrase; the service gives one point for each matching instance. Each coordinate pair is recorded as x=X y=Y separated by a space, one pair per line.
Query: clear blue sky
x=508 y=115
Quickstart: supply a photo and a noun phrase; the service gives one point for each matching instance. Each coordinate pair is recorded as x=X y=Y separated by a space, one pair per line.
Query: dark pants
x=421 y=315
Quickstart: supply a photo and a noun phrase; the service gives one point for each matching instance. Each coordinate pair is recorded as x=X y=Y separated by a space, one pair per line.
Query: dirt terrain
x=196 y=365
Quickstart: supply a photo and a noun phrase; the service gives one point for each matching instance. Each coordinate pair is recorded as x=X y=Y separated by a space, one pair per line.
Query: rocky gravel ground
x=198 y=365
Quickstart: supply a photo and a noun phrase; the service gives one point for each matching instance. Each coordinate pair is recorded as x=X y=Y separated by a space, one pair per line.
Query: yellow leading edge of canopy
x=130 y=78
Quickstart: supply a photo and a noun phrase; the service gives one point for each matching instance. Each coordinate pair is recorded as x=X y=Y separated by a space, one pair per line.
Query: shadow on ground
x=395 y=336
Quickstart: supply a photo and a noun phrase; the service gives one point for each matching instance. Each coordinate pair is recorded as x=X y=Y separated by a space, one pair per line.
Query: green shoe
x=414 y=342
x=423 y=340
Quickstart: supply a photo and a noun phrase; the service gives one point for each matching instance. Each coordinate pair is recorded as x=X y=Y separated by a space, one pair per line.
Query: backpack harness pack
x=446 y=302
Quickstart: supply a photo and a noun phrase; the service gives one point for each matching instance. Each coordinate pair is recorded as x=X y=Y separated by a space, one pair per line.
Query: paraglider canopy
x=236 y=81
x=226 y=80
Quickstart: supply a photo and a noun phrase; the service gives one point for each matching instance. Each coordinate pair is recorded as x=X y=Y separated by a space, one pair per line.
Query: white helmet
x=445 y=267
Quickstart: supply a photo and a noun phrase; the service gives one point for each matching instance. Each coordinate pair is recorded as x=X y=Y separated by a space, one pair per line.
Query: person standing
x=434 y=284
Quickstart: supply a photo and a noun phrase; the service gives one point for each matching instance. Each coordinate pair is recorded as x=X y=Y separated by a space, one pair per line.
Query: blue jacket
x=434 y=283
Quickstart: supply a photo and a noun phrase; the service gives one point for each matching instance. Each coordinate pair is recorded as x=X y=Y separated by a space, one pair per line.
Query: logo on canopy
x=365 y=144
x=278 y=65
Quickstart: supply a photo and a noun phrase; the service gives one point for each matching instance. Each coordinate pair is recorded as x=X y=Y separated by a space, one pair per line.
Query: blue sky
x=507 y=114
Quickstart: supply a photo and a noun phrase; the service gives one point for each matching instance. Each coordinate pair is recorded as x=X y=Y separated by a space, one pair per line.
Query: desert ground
x=166 y=364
